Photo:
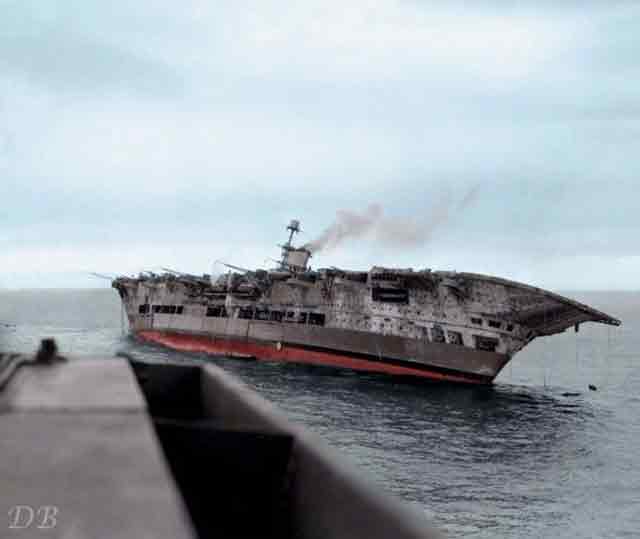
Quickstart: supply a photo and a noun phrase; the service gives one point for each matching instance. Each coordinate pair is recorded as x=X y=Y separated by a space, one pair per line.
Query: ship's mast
x=293 y=228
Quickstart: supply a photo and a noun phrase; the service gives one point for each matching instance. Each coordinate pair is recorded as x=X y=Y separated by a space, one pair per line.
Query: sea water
x=538 y=454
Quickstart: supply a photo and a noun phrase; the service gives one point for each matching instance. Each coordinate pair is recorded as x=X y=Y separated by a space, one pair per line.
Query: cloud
x=209 y=124
x=50 y=50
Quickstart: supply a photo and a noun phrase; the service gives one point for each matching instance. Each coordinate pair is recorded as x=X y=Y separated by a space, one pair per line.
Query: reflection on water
x=519 y=459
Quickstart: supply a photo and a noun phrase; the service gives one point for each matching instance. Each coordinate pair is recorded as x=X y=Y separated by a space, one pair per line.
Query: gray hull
x=325 y=346
x=459 y=327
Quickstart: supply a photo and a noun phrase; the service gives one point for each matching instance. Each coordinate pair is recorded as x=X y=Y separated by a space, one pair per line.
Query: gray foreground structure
x=116 y=448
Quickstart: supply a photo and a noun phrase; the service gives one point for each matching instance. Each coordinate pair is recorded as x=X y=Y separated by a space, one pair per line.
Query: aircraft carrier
x=439 y=325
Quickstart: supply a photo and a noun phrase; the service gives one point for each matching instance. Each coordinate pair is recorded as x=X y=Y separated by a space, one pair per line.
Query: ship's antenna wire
x=606 y=381
x=544 y=366
x=577 y=347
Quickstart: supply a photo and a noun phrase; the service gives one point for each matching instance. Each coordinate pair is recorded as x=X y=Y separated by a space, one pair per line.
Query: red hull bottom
x=293 y=354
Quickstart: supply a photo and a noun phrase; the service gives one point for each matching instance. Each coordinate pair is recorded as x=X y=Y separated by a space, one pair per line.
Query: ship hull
x=445 y=326
x=291 y=352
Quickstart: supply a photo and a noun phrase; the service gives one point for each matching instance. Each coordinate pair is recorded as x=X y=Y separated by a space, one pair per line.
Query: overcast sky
x=135 y=135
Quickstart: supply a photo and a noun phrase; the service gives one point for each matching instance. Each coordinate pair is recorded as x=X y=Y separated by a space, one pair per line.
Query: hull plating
x=301 y=354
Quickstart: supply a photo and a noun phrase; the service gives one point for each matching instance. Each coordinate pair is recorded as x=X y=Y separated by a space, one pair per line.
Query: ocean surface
x=525 y=458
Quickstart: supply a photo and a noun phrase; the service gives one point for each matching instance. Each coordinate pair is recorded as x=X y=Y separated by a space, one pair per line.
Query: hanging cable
x=606 y=380
x=122 y=316
x=546 y=352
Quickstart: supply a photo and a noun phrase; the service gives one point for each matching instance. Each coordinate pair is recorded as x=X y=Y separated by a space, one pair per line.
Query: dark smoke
x=389 y=231
x=470 y=197
x=348 y=224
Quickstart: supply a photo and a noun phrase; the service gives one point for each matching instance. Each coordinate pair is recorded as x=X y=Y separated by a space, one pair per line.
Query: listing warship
x=438 y=325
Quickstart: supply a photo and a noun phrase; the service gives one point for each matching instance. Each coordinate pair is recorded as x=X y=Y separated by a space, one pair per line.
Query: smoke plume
x=389 y=231
x=348 y=224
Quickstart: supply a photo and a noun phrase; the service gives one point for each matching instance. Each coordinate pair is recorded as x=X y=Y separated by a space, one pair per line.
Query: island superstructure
x=440 y=325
